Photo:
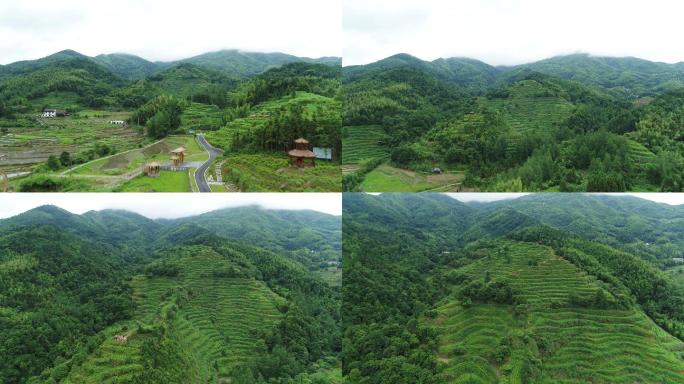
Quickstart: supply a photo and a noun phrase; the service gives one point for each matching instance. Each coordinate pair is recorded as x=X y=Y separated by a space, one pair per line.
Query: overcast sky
x=505 y=32
x=168 y=30
x=168 y=205
x=668 y=198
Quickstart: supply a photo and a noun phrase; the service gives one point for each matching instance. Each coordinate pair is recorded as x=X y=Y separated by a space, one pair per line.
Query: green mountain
x=96 y=77
x=627 y=75
x=249 y=64
x=310 y=237
x=516 y=295
x=25 y=66
x=128 y=66
x=569 y=123
x=112 y=296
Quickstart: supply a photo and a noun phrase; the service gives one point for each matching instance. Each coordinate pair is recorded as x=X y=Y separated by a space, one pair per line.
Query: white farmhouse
x=117 y=122
x=54 y=113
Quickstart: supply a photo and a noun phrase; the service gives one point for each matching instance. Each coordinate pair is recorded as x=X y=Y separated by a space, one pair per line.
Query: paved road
x=199 y=173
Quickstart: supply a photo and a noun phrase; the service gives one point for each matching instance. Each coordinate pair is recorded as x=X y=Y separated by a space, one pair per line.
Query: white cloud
x=168 y=205
x=485 y=197
x=505 y=32
x=168 y=30
x=668 y=198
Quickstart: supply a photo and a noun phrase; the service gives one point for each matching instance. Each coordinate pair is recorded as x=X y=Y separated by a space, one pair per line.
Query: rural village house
x=54 y=113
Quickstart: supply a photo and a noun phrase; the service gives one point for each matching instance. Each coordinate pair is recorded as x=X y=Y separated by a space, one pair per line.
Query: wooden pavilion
x=301 y=153
x=152 y=169
x=178 y=156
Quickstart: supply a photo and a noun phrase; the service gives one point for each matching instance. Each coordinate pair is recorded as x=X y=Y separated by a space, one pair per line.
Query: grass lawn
x=166 y=182
x=386 y=178
x=270 y=172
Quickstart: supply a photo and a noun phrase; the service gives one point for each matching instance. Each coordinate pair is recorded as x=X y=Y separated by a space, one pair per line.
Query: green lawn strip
x=168 y=181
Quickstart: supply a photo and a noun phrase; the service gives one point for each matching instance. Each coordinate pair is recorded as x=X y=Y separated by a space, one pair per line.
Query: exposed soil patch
x=117 y=161
x=157 y=148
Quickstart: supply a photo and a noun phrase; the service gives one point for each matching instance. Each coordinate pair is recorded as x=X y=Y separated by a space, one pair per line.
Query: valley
x=570 y=123
x=113 y=110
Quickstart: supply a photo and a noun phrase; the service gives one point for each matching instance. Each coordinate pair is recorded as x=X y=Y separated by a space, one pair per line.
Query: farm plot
x=265 y=171
x=33 y=140
x=386 y=178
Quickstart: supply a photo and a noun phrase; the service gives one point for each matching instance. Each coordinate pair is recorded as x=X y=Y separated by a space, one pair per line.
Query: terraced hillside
x=364 y=142
x=213 y=317
x=262 y=114
x=197 y=116
x=530 y=107
x=563 y=326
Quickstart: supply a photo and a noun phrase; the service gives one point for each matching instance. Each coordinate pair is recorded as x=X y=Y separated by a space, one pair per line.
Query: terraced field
x=215 y=320
x=530 y=108
x=260 y=115
x=549 y=340
x=113 y=361
x=640 y=154
x=198 y=116
x=606 y=346
x=363 y=143
x=32 y=140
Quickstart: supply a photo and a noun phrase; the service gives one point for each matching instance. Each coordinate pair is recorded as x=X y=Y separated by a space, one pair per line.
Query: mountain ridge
x=133 y=67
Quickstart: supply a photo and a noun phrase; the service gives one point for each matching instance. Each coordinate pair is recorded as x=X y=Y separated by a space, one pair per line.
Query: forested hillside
x=508 y=292
x=111 y=296
x=569 y=123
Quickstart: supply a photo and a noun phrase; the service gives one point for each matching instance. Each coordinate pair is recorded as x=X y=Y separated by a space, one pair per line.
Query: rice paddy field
x=212 y=320
x=547 y=340
x=30 y=140
x=264 y=172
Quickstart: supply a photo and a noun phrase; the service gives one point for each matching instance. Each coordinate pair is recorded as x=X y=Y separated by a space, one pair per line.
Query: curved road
x=199 y=172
